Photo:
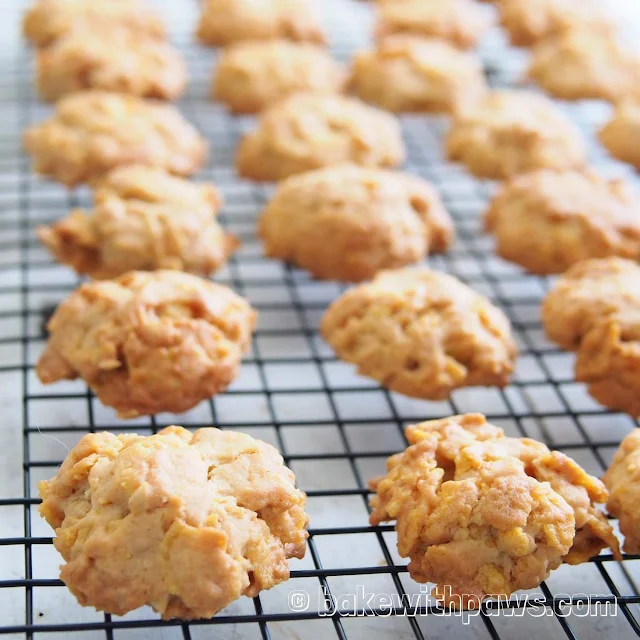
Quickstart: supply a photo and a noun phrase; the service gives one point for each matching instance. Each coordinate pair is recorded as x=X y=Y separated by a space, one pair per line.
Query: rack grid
x=334 y=429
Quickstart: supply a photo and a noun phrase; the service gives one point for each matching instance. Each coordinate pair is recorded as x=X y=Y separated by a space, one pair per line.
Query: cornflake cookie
x=48 y=20
x=421 y=333
x=510 y=132
x=149 y=342
x=483 y=515
x=252 y=75
x=113 y=60
x=621 y=135
x=93 y=132
x=408 y=73
x=307 y=131
x=460 y=22
x=224 y=22
x=184 y=522
x=623 y=481
x=346 y=222
x=548 y=220
x=143 y=219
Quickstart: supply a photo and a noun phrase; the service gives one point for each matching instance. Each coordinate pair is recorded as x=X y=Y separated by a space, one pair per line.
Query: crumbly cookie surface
x=224 y=22
x=621 y=135
x=143 y=219
x=548 y=220
x=149 y=342
x=252 y=75
x=94 y=131
x=481 y=514
x=307 y=131
x=184 y=522
x=421 y=333
x=111 y=60
x=460 y=22
x=509 y=132
x=410 y=73
x=347 y=222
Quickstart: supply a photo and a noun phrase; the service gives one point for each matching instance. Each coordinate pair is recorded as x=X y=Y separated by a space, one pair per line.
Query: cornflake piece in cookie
x=482 y=515
x=184 y=522
x=548 y=220
x=409 y=73
x=95 y=131
x=143 y=219
x=307 y=131
x=621 y=135
x=421 y=333
x=252 y=75
x=48 y=20
x=347 y=222
x=149 y=342
x=224 y=22
x=509 y=132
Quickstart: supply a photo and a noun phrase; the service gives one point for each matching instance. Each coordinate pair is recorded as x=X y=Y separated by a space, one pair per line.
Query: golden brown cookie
x=509 y=132
x=94 y=131
x=460 y=22
x=184 y=522
x=307 y=131
x=621 y=135
x=347 y=222
x=149 y=342
x=252 y=75
x=421 y=333
x=548 y=220
x=409 y=73
x=114 y=60
x=224 y=22
x=143 y=219
x=483 y=515
x=48 y=20
x=623 y=481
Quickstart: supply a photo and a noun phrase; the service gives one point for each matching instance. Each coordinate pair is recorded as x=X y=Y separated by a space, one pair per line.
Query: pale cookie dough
x=224 y=22
x=409 y=73
x=143 y=219
x=623 y=481
x=621 y=135
x=307 y=131
x=509 y=132
x=548 y=220
x=252 y=75
x=48 y=20
x=149 y=342
x=114 y=60
x=183 y=522
x=347 y=222
x=421 y=333
x=460 y=22
x=94 y=131
x=481 y=515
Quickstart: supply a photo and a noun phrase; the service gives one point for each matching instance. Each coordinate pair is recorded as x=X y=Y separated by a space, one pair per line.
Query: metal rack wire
x=334 y=429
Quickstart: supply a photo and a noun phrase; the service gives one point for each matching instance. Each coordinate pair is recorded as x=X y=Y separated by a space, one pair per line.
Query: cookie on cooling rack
x=309 y=131
x=348 y=222
x=621 y=135
x=421 y=333
x=483 y=515
x=92 y=132
x=548 y=220
x=460 y=22
x=224 y=22
x=143 y=219
x=149 y=342
x=409 y=73
x=48 y=20
x=508 y=132
x=183 y=522
x=252 y=75
x=112 y=60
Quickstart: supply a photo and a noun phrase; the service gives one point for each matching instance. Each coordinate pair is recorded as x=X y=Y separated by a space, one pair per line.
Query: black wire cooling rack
x=334 y=429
